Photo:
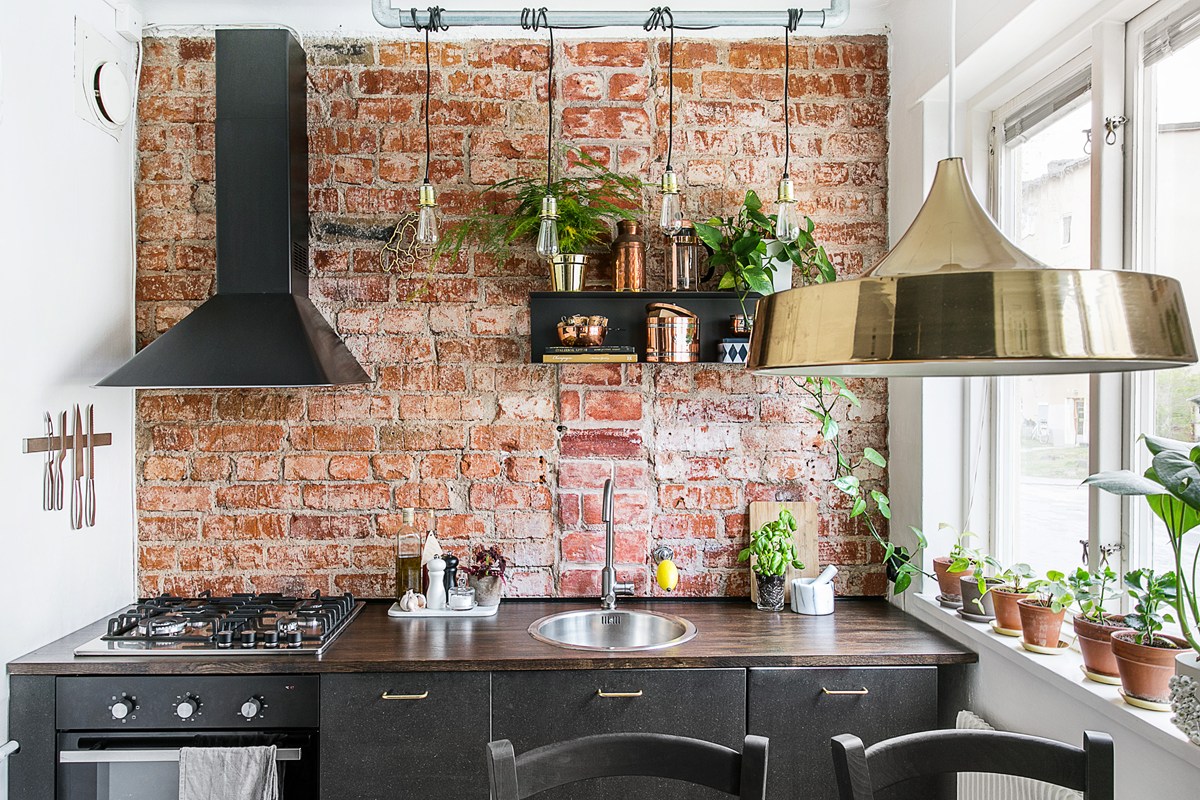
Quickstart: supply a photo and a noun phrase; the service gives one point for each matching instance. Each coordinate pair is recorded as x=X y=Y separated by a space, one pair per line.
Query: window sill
x=1062 y=671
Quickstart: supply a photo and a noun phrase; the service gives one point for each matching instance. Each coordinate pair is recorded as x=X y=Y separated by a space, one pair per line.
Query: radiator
x=985 y=786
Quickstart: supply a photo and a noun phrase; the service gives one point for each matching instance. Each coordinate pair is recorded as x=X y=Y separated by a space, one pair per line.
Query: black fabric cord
x=787 y=78
x=428 y=78
x=549 y=105
x=661 y=17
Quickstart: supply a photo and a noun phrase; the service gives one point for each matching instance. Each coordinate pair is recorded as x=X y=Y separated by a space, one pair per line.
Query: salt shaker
x=435 y=594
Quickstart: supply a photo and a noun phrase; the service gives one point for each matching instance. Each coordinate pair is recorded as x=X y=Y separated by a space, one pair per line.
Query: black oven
x=119 y=738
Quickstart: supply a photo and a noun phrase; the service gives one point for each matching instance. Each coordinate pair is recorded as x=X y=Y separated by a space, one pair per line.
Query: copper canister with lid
x=672 y=334
x=629 y=257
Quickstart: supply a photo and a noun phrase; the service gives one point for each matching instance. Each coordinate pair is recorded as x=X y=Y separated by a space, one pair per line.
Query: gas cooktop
x=239 y=625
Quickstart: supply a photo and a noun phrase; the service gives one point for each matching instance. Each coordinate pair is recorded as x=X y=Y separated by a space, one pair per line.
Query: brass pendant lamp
x=954 y=297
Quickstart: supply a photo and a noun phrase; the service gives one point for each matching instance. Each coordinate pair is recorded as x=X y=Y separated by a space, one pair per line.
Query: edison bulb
x=787 y=218
x=547 y=241
x=427 y=224
x=671 y=218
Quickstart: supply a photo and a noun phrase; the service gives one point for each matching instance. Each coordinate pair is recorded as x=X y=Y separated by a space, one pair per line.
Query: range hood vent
x=259 y=329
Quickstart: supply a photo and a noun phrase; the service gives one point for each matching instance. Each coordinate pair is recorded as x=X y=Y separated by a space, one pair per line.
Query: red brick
x=478 y=466
x=582 y=86
x=257 y=468
x=613 y=406
x=164 y=468
x=239 y=438
x=602 y=442
x=342 y=526
x=605 y=123
x=607 y=54
x=197 y=49
x=175 y=498
x=628 y=86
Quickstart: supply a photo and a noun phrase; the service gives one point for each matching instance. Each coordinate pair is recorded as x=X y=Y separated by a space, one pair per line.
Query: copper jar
x=629 y=257
x=672 y=334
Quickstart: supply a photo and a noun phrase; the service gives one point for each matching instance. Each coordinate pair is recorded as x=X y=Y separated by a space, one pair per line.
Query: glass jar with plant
x=1093 y=625
x=1009 y=588
x=1043 y=611
x=772 y=550
x=744 y=245
x=486 y=574
x=1146 y=656
x=509 y=213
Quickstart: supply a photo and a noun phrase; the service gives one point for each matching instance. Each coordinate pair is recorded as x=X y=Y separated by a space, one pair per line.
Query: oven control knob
x=251 y=708
x=122 y=708
x=187 y=707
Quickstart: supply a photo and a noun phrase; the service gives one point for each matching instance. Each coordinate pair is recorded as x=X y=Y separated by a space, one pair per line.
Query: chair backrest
x=863 y=771
x=651 y=755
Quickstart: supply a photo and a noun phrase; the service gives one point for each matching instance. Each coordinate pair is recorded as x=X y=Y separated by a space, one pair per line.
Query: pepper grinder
x=451 y=580
x=435 y=594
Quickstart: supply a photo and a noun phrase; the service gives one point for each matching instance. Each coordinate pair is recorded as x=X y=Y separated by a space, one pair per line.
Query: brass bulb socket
x=549 y=207
x=426 y=196
x=670 y=183
x=787 y=191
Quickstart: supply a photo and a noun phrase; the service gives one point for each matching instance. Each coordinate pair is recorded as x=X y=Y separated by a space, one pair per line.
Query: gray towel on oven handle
x=228 y=773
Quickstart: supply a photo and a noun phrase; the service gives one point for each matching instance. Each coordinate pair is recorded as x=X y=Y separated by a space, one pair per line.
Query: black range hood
x=260 y=328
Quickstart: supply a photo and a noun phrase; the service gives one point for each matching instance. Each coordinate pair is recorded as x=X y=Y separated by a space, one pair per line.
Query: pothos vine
x=827 y=396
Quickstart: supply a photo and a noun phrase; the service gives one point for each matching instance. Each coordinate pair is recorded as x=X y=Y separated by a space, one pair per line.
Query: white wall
x=67 y=301
x=1002 y=49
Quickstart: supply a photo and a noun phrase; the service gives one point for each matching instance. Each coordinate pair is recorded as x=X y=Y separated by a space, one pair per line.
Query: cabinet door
x=402 y=736
x=538 y=708
x=801 y=709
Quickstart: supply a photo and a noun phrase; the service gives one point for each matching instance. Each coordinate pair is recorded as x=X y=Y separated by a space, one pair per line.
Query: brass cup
x=568 y=272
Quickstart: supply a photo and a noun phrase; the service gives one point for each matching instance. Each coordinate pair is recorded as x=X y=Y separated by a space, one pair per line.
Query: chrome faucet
x=609 y=588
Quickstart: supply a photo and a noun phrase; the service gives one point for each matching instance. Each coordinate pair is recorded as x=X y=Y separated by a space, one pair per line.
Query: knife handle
x=76 y=504
x=48 y=486
x=89 y=503
x=59 y=486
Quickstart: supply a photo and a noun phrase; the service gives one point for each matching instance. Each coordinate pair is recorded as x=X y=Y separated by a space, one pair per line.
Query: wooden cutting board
x=805 y=537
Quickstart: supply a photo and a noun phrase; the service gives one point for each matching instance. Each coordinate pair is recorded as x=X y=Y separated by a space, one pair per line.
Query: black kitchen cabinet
x=801 y=709
x=405 y=736
x=537 y=708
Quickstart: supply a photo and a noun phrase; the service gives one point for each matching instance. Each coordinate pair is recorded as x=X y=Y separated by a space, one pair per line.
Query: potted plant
x=948 y=578
x=773 y=550
x=1042 y=613
x=744 y=245
x=486 y=575
x=1171 y=487
x=1146 y=657
x=509 y=214
x=1005 y=593
x=976 y=599
x=1093 y=626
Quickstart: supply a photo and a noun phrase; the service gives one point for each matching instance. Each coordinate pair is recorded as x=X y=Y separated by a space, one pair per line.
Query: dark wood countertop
x=732 y=633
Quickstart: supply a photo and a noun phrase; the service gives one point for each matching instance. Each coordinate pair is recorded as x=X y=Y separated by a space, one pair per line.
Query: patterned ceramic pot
x=1185 y=695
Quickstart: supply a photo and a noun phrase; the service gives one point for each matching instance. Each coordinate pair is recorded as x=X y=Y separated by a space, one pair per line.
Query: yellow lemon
x=668 y=575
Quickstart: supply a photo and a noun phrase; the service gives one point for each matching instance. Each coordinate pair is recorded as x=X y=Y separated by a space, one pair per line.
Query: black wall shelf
x=626 y=312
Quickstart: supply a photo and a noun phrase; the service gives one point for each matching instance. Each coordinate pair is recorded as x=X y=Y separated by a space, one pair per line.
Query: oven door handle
x=144 y=756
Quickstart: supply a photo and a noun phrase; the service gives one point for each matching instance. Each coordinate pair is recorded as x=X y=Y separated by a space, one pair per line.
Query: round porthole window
x=114 y=98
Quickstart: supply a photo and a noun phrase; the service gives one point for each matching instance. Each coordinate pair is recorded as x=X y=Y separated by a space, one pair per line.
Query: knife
x=59 y=483
x=48 y=482
x=77 y=472
x=89 y=470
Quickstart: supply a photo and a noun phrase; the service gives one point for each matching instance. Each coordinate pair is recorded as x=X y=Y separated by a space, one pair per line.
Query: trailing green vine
x=828 y=395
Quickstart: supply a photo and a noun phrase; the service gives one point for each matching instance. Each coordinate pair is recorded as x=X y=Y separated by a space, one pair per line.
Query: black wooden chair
x=863 y=771
x=650 y=755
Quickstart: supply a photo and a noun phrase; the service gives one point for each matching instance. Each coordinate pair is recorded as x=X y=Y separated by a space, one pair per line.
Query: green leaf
x=728 y=281
x=1177 y=472
x=829 y=429
x=872 y=455
x=759 y=218
x=752 y=202
x=903 y=581
x=757 y=280
x=710 y=235
x=1161 y=444
x=847 y=483
x=1124 y=482
x=746 y=245
x=860 y=505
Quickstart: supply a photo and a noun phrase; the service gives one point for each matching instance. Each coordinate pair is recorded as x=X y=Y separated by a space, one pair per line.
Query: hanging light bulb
x=427 y=224
x=547 y=241
x=671 y=218
x=787 y=218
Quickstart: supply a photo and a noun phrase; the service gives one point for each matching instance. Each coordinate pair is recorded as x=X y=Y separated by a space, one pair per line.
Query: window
x=1166 y=175
x=1041 y=429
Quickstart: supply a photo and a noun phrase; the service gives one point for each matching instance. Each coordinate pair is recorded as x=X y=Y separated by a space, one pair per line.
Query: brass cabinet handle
x=602 y=693
x=861 y=691
x=390 y=696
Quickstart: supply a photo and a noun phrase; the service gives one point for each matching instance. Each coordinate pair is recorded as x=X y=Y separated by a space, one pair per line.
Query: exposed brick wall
x=301 y=489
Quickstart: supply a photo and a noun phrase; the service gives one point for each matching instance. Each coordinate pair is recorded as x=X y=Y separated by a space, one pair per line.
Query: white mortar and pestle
x=814 y=596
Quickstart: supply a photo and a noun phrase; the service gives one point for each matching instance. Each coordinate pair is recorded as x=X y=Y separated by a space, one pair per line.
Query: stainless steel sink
x=613 y=631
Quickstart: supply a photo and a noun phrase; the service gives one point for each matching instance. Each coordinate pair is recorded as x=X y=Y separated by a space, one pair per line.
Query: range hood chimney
x=259 y=329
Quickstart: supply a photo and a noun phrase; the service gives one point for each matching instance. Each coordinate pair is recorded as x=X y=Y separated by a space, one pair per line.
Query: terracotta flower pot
x=1008 y=616
x=1095 y=644
x=1041 y=626
x=1146 y=671
x=947 y=580
x=973 y=599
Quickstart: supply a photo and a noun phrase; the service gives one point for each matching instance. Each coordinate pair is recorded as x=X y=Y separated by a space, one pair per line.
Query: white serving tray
x=425 y=613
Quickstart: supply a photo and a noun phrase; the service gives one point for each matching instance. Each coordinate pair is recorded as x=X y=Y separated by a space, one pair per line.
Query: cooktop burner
x=241 y=624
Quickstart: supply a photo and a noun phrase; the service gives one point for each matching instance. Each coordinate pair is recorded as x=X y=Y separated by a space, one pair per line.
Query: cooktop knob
x=251 y=708
x=248 y=638
x=295 y=638
x=187 y=707
x=122 y=708
x=271 y=638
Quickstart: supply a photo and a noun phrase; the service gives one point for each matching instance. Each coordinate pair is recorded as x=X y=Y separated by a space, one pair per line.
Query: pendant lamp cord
x=952 y=88
x=549 y=105
x=792 y=23
x=661 y=17
x=434 y=23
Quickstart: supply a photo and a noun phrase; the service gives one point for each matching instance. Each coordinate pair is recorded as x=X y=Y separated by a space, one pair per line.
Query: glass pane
x=1170 y=246
x=1049 y=200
